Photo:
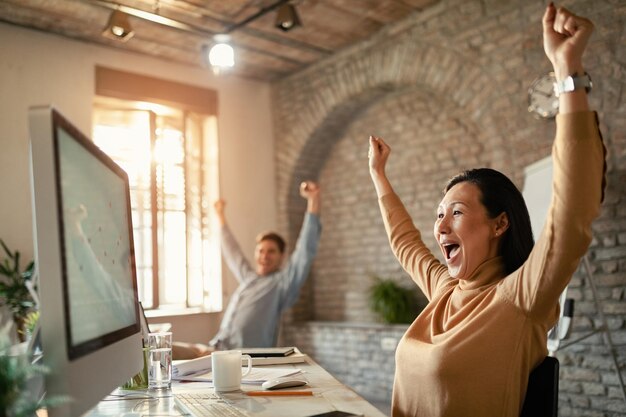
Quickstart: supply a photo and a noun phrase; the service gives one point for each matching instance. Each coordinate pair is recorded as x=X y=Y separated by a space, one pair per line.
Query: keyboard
x=207 y=405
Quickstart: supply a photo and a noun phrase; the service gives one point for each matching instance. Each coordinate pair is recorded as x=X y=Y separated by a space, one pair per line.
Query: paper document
x=192 y=366
x=256 y=377
x=203 y=364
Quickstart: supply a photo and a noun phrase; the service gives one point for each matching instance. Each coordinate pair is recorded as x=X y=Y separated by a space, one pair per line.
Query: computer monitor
x=90 y=327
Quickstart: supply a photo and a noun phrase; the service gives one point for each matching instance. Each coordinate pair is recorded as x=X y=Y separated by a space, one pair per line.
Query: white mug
x=226 y=366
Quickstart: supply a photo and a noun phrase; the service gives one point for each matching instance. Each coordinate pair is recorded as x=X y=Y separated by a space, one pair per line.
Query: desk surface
x=328 y=394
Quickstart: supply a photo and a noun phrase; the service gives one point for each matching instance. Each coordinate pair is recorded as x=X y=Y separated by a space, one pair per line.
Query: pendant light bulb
x=221 y=55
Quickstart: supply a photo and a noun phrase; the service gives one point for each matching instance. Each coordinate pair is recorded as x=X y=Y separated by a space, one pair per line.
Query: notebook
x=268 y=352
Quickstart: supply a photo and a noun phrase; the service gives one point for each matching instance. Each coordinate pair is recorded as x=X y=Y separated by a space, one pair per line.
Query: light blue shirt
x=252 y=316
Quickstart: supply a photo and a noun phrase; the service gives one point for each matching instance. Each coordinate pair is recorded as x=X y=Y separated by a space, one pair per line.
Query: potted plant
x=21 y=381
x=395 y=304
x=15 y=289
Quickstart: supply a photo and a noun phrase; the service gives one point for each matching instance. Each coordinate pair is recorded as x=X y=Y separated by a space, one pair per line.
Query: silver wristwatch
x=572 y=83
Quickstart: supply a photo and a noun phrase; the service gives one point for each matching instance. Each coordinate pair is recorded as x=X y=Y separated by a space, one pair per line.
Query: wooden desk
x=329 y=395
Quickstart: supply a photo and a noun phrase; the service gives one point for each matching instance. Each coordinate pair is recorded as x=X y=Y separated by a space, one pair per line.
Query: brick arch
x=315 y=115
x=315 y=106
x=316 y=149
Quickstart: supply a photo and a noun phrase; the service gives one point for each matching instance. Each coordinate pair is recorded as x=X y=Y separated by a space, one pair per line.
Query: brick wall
x=447 y=89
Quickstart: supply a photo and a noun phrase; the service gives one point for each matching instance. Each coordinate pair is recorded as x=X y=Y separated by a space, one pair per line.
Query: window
x=170 y=155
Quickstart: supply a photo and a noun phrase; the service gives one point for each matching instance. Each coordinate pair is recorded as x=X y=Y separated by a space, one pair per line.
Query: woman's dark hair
x=499 y=194
x=274 y=237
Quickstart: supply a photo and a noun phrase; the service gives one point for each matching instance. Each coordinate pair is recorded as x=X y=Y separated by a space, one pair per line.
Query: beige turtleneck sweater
x=469 y=353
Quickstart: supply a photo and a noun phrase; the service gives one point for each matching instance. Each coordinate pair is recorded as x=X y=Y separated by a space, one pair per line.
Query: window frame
x=191 y=100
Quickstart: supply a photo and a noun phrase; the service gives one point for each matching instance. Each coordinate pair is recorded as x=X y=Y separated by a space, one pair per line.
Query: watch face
x=542 y=100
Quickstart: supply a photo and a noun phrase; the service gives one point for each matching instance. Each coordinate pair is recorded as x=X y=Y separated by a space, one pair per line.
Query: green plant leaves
x=394 y=303
x=14 y=292
x=16 y=400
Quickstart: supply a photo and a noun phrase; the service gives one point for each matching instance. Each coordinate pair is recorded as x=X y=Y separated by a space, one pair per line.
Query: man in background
x=266 y=289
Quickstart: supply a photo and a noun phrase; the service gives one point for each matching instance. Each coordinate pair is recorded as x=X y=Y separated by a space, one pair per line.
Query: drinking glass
x=160 y=360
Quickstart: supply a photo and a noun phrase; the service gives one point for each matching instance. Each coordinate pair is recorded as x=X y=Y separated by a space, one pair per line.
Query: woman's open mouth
x=451 y=249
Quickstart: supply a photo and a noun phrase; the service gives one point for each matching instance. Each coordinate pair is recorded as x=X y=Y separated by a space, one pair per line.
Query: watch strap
x=573 y=82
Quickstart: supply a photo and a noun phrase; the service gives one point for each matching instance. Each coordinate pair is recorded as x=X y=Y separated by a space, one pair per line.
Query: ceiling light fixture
x=118 y=27
x=221 y=55
x=287 y=17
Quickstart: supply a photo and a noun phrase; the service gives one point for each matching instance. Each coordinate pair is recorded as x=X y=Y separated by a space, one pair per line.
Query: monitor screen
x=90 y=325
x=98 y=270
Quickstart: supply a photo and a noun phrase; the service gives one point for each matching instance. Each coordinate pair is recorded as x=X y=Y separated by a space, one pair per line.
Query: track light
x=118 y=27
x=287 y=17
x=221 y=54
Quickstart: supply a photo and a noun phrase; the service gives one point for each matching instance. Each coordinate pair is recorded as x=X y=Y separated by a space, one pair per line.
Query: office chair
x=542 y=394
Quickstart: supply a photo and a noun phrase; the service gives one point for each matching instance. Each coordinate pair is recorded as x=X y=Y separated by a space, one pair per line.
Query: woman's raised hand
x=378 y=154
x=565 y=37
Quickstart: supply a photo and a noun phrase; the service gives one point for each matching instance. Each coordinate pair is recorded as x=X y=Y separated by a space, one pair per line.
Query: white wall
x=38 y=68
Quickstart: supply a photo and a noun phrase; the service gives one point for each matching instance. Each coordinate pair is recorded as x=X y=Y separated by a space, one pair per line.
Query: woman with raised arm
x=491 y=304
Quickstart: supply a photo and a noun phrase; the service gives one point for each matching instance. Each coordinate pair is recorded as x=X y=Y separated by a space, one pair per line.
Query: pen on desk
x=277 y=393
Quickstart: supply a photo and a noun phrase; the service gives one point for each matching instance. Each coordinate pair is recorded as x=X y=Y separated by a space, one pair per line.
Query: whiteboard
x=538 y=192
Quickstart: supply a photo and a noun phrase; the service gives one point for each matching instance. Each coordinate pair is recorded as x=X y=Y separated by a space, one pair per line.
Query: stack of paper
x=256 y=377
x=203 y=364
x=192 y=366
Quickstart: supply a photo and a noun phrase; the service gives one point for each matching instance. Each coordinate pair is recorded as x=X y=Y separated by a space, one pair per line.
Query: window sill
x=174 y=312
